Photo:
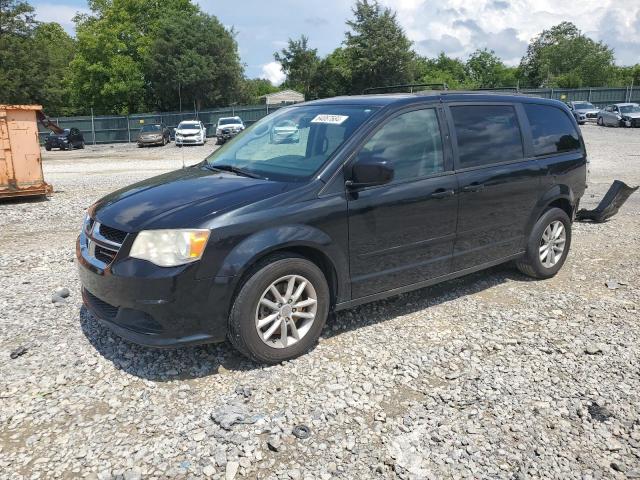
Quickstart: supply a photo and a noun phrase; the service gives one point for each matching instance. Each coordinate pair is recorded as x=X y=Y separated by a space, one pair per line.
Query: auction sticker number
x=332 y=119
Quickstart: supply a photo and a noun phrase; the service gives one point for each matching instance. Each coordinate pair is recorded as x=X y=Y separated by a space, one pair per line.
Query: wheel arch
x=302 y=240
x=560 y=196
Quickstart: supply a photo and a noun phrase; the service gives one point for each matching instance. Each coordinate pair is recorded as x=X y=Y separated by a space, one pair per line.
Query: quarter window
x=411 y=142
x=487 y=134
x=551 y=130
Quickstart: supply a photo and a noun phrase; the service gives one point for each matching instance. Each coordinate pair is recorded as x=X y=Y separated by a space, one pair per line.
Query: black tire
x=530 y=264
x=47 y=148
x=600 y=121
x=242 y=332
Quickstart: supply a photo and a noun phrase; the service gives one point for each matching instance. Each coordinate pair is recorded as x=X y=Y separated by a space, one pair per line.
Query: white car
x=191 y=132
x=227 y=128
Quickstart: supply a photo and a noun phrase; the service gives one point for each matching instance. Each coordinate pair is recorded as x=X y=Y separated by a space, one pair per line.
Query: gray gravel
x=488 y=376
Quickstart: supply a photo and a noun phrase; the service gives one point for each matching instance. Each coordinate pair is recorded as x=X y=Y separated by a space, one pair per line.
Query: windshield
x=292 y=143
x=150 y=128
x=189 y=125
x=584 y=106
x=66 y=131
x=229 y=121
x=630 y=109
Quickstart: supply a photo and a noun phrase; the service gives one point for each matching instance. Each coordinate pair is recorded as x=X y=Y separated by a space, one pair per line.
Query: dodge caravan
x=373 y=196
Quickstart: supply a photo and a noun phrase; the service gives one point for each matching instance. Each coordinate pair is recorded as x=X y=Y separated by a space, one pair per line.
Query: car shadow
x=201 y=361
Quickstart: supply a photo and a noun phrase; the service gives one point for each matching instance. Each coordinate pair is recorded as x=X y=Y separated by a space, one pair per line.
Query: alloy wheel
x=552 y=243
x=286 y=311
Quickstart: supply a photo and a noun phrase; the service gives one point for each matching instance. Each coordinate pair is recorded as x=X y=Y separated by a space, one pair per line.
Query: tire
x=247 y=310
x=600 y=122
x=531 y=264
x=47 y=148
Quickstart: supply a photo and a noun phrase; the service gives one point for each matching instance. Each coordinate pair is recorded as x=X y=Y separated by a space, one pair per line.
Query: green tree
x=34 y=58
x=443 y=69
x=299 y=63
x=193 y=57
x=562 y=56
x=378 y=51
x=113 y=43
x=333 y=76
x=486 y=70
x=253 y=88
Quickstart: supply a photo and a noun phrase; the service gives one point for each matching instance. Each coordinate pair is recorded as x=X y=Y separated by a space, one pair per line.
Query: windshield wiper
x=232 y=169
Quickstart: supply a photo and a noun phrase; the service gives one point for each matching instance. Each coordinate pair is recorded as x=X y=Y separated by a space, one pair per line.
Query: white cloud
x=272 y=71
x=56 y=12
x=458 y=27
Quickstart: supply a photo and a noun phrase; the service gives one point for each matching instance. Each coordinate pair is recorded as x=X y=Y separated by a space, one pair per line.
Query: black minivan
x=377 y=195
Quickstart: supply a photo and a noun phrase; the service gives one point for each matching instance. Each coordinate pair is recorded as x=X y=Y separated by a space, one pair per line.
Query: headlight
x=218 y=131
x=169 y=248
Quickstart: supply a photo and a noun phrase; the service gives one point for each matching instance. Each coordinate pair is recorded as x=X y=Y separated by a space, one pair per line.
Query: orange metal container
x=20 y=160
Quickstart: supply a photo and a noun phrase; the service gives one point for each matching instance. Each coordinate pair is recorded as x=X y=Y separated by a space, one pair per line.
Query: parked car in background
x=227 y=128
x=153 y=134
x=285 y=131
x=191 y=132
x=381 y=195
x=70 y=139
x=620 y=115
x=584 y=111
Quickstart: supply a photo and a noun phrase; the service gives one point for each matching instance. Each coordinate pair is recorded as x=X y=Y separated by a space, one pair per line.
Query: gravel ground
x=488 y=376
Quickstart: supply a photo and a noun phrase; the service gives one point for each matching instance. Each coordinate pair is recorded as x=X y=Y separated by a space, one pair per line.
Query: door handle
x=474 y=187
x=442 y=193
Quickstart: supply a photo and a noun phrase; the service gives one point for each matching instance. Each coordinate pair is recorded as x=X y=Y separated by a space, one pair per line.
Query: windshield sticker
x=332 y=119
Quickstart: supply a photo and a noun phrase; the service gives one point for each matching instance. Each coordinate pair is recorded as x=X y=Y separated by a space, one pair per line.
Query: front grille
x=105 y=255
x=112 y=234
x=101 y=308
x=592 y=115
x=635 y=122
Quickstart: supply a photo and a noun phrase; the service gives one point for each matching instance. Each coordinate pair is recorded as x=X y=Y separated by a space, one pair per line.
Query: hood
x=631 y=115
x=180 y=199
x=230 y=125
x=587 y=110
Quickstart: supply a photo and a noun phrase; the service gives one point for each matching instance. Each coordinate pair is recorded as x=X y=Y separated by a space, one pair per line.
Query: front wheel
x=280 y=309
x=600 y=122
x=548 y=245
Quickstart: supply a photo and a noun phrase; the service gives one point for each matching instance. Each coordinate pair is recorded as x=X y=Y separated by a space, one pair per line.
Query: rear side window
x=487 y=134
x=411 y=142
x=551 y=129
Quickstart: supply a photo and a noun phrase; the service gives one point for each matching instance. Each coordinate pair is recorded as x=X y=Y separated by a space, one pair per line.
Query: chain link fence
x=124 y=128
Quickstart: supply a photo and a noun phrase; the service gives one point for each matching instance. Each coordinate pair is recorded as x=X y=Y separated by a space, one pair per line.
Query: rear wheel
x=548 y=245
x=280 y=309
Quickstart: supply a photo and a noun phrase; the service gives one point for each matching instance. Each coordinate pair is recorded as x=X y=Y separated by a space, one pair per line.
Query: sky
x=456 y=27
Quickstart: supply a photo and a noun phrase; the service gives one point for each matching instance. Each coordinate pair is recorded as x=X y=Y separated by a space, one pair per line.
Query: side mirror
x=369 y=171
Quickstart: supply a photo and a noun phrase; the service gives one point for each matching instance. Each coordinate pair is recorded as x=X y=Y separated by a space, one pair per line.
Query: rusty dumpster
x=20 y=160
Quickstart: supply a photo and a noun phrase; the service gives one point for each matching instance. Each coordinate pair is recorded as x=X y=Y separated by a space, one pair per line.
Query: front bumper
x=56 y=144
x=154 y=306
x=189 y=141
x=150 y=141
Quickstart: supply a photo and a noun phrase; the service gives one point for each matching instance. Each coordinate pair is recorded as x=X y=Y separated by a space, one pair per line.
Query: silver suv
x=583 y=111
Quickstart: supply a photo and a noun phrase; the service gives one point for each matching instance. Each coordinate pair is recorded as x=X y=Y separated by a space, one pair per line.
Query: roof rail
x=409 y=86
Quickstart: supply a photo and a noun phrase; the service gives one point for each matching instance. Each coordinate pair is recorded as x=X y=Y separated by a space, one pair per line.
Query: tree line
x=143 y=55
